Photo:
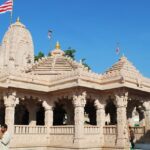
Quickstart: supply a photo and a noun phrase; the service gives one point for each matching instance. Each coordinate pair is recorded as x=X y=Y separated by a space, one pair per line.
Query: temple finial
x=57 y=45
x=18 y=19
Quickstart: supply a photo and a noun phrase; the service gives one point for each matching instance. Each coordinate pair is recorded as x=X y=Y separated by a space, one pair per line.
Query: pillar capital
x=10 y=100
x=146 y=105
x=121 y=99
x=46 y=106
x=79 y=100
x=98 y=104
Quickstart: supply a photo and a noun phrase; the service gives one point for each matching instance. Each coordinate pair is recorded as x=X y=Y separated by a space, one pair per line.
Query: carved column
x=10 y=102
x=147 y=115
x=79 y=104
x=48 y=114
x=100 y=118
x=122 y=128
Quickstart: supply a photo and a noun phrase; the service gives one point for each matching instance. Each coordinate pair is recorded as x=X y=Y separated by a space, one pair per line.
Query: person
x=5 y=140
x=132 y=138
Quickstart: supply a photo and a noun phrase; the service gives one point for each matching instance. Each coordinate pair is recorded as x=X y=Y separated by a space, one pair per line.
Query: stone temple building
x=58 y=104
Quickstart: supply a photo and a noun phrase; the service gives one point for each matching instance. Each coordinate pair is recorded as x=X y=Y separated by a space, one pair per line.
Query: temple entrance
x=111 y=113
x=2 y=112
x=21 y=115
x=135 y=114
x=40 y=115
x=90 y=113
x=59 y=114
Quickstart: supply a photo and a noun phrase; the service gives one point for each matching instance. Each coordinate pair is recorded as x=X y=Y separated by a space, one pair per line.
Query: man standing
x=4 y=141
x=132 y=138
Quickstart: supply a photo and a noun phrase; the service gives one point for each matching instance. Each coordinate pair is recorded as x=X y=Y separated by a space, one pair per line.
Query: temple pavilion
x=56 y=103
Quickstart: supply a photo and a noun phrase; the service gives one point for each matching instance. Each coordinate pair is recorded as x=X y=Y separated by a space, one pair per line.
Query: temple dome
x=57 y=51
x=17 y=50
x=55 y=64
x=123 y=68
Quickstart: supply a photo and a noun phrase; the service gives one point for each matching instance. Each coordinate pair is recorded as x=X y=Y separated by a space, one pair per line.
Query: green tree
x=38 y=56
x=85 y=64
x=70 y=52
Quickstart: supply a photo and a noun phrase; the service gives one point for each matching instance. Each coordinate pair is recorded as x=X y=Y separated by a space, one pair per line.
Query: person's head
x=4 y=128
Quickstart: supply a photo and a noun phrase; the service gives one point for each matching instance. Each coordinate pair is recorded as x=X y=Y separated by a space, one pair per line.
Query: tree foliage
x=70 y=52
x=85 y=64
x=39 y=56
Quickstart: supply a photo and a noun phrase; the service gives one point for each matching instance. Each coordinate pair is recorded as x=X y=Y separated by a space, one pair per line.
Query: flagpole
x=11 y=13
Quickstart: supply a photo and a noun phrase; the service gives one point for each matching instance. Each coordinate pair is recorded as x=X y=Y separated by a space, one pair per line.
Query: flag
x=49 y=34
x=7 y=6
x=117 y=50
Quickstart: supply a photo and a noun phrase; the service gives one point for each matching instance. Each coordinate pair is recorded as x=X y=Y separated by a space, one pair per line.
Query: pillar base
x=78 y=142
x=123 y=143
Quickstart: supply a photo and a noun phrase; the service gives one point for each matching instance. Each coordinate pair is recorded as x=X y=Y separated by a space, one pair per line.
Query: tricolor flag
x=49 y=34
x=117 y=50
x=7 y=6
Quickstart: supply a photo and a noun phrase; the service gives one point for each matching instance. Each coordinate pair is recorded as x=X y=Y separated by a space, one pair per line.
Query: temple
x=56 y=103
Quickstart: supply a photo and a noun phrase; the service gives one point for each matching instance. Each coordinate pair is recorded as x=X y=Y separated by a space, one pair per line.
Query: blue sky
x=92 y=27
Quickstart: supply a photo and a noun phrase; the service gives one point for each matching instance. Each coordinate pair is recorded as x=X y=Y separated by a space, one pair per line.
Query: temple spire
x=57 y=45
x=18 y=19
x=57 y=51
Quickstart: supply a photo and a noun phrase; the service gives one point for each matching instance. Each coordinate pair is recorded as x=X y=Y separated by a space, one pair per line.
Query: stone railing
x=92 y=129
x=67 y=130
x=139 y=133
x=110 y=129
x=138 y=130
x=25 y=129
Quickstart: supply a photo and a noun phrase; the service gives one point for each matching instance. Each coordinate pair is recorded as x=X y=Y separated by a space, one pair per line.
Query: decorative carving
x=46 y=106
x=98 y=104
x=121 y=99
x=11 y=100
x=79 y=101
x=146 y=105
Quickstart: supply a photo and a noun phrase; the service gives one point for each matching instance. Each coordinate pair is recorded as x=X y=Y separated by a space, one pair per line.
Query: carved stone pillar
x=79 y=104
x=147 y=115
x=100 y=118
x=10 y=102
x=122 y=128
x=48 y=114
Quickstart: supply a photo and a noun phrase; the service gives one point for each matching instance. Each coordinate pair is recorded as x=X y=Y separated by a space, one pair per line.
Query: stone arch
x=90 y=112
x=111 y=112
x=59 y=113
x=2 y=112
x=40 y=113
x=135 y=113
x=63 y=112
x=21 y=114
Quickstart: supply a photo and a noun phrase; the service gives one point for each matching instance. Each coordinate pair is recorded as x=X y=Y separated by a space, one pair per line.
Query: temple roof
x=17 y=49
x=57 y=63
x=124 y=68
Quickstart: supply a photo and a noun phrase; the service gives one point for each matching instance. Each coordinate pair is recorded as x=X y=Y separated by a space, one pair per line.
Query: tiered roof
x=55 y=64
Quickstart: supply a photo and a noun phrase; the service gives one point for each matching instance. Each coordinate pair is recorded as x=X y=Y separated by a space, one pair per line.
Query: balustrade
x=25 y=129
x=110 y=129
x=138 y=130
x=92 y=129
x=62 y=130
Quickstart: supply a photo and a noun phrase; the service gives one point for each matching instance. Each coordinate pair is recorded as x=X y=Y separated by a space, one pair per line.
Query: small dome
x=17 y=47
x=57 y=51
